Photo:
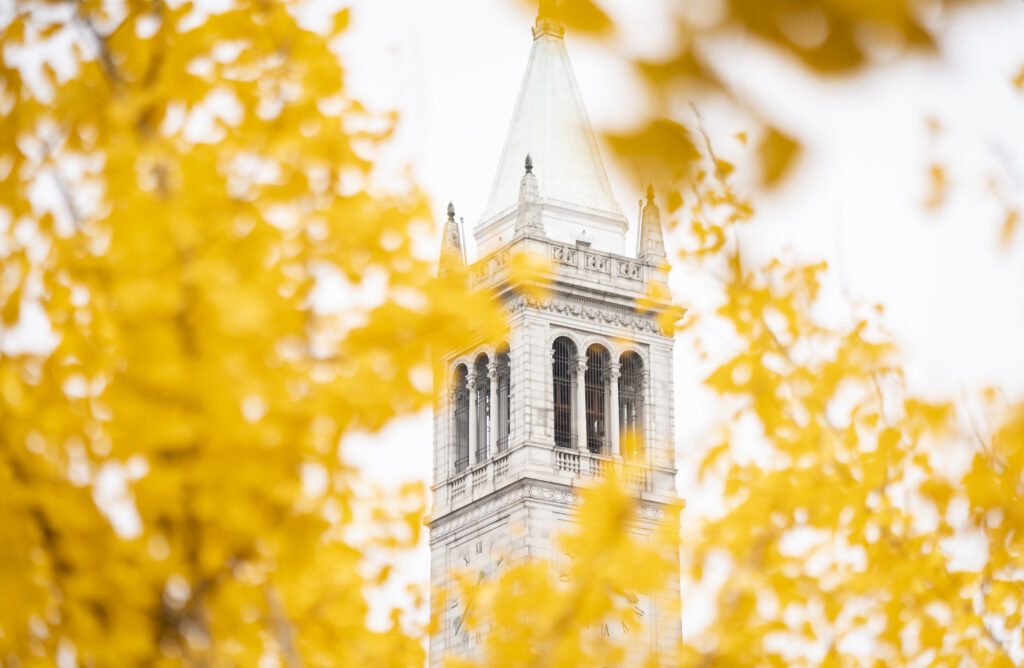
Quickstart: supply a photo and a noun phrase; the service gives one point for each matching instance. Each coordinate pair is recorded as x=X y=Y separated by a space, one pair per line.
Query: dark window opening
x=563 y=371
x=504 y=399
x=631 y=405
x=595 y=382
x=483 y=408
x=461 y=420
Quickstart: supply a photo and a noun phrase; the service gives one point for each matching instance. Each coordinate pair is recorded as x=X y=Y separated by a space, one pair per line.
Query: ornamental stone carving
x=478 y=273
x=563 y=255
x=595 y=262
x=629 y=320
x=644 y=511
x=629 y=270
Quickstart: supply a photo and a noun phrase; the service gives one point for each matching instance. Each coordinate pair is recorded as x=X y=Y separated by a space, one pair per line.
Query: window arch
x=595 y=383
x=563 y=369
x=631 y=404
x=504 y=407
x=461 y=419
x=482 y=407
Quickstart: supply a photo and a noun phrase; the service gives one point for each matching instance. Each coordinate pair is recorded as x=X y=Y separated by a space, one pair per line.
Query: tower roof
x=551 y=124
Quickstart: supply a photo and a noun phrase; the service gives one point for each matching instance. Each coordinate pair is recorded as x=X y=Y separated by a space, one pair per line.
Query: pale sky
x=953 y=301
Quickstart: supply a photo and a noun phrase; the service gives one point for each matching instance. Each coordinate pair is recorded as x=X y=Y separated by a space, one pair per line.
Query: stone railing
x=501 y=466
x=506 y=467
x=591 y=465
x=596 y=262
x=480 y=477
x=480 y=480
x=567 y=460
x=600 y=265
x=457 y=488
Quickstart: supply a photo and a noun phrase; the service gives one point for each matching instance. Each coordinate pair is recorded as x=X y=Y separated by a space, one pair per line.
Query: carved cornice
x=575 y=309
x=554 y=494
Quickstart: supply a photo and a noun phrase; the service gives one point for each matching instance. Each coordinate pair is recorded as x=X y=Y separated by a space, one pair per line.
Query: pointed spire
x=548 y=21
x=452 y=256
x=550 y=123
x=652 y=242
x=528 y=211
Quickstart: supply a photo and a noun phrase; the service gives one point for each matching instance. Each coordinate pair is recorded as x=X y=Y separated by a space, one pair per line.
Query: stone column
x=613 y=412
x=581 y=402
x=647 y=431
x=453 y=432
x=492 y=433
x=471 y=385
x=549 y=381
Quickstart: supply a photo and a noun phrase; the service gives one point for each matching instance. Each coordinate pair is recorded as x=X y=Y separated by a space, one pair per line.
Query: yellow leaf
x=776 y=152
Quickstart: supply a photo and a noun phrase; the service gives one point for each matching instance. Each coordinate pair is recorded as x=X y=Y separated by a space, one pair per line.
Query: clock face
x=479 y=559
x=630 y=625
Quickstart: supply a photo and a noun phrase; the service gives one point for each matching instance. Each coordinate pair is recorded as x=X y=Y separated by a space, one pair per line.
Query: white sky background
x=953 y=300
x=452 y=69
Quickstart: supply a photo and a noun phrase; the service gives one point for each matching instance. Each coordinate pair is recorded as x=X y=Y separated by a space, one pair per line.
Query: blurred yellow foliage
x=827 y=37
x=177 y=184
x=181 y=185
x=584 y=610
x=856 y=535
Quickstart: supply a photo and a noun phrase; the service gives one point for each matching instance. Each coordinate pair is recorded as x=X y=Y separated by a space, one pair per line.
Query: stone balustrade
x=497 y=472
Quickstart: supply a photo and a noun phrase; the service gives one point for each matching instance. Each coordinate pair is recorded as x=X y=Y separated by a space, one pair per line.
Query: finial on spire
x=528 y=213
x=548 y=21
x=651 y=241
x=452 y=256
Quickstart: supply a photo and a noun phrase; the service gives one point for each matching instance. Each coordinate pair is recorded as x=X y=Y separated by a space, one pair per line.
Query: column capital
x=492 y=369
x=614 y=370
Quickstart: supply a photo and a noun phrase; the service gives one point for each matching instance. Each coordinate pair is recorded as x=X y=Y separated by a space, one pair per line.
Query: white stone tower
x=583 y=382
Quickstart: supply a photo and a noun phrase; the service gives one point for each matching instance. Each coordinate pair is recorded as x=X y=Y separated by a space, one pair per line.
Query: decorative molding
x=551 y=494
x=594 y=262
x=574 y=309
x=628 y=269
x=483 y=269
x=563 y=255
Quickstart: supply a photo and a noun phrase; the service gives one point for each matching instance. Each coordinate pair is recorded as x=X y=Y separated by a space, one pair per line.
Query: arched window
x=504 y=409
x=631 y=404
x=562 y=372
x=461 y=419
x=596 y=386
x=483 y=407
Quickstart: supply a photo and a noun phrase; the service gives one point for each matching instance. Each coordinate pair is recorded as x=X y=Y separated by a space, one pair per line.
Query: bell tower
x=583 y=382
